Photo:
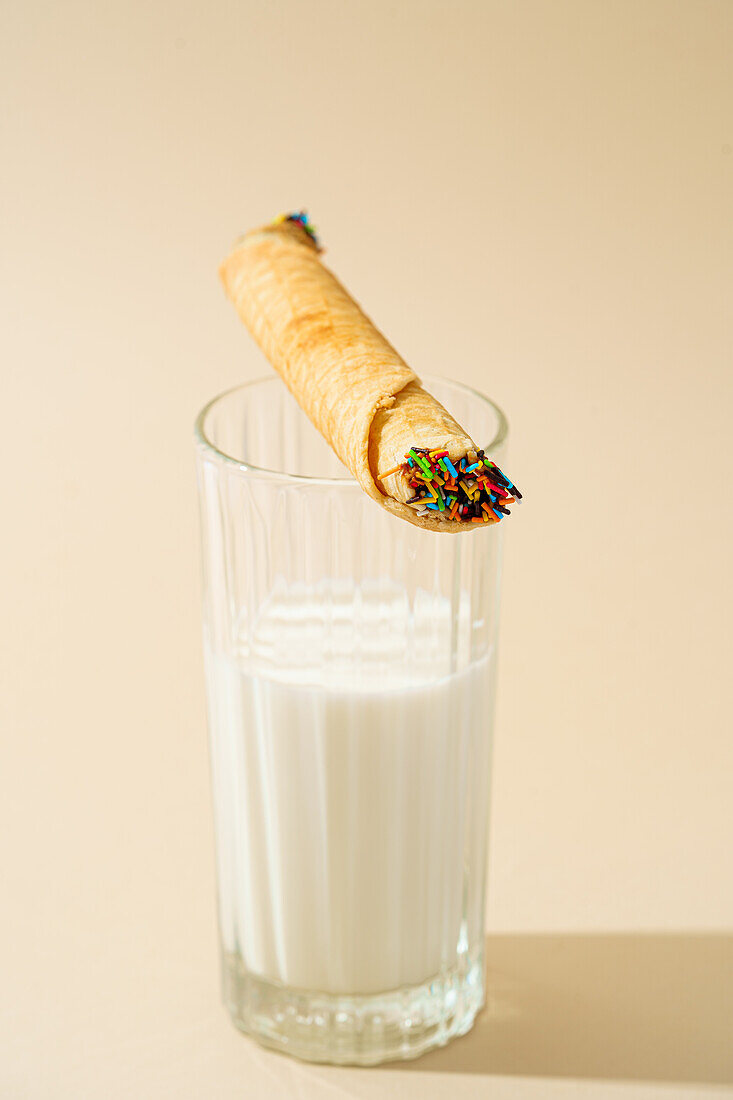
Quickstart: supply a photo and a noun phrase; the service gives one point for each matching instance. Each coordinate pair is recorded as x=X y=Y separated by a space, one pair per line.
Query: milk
x=350 y=771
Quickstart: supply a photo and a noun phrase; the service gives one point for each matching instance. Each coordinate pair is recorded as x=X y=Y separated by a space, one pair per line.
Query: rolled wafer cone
x=359 y=393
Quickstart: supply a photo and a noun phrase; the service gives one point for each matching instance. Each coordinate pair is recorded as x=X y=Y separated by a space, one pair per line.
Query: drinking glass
x=350 y=660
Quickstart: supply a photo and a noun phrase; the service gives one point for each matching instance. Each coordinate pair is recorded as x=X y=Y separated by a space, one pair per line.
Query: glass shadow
x=633 y=1006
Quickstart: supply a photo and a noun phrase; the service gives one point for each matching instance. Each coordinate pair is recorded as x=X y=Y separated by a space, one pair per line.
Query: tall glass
x=350 y=662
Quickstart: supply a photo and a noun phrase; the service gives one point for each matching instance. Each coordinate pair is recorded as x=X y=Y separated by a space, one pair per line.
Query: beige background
x=534 y=197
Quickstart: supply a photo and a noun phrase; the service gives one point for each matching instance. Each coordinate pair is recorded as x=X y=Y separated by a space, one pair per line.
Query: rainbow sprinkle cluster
x=473 y=490
x=301 y=218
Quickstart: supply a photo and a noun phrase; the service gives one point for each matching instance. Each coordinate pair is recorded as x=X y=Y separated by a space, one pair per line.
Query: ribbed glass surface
x=350 y=666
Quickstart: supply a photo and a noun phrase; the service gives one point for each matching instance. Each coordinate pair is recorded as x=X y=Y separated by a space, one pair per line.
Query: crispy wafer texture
x=415 y=415
x=356 y=389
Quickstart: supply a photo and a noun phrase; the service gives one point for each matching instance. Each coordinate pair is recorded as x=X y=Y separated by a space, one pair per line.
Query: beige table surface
x=534 y=197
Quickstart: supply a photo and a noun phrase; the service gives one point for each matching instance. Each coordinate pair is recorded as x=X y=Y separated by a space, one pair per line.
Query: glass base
x=358 y=1030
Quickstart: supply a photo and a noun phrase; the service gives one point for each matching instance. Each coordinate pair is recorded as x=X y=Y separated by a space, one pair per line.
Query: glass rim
x=249 y=468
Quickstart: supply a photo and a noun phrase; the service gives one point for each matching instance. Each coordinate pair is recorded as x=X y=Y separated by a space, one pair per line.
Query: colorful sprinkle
x=419 y=461
x=300 y=218
x=394 y=470
x=471 y=490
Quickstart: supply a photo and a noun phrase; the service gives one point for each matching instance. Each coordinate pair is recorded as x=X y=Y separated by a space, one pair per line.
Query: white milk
x=342 y=793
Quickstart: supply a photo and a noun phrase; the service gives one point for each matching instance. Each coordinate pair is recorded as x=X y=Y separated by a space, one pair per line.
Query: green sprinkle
x=422 y=463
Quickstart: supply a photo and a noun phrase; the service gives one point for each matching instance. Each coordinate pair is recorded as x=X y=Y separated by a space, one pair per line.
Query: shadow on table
x=621 y=1006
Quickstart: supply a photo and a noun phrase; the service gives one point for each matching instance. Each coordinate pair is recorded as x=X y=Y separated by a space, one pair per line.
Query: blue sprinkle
x=435 y=507
x=470 y=469
x=451 y=467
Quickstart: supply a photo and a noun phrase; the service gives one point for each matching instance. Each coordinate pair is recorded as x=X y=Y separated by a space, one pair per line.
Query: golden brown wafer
x=356 y=389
